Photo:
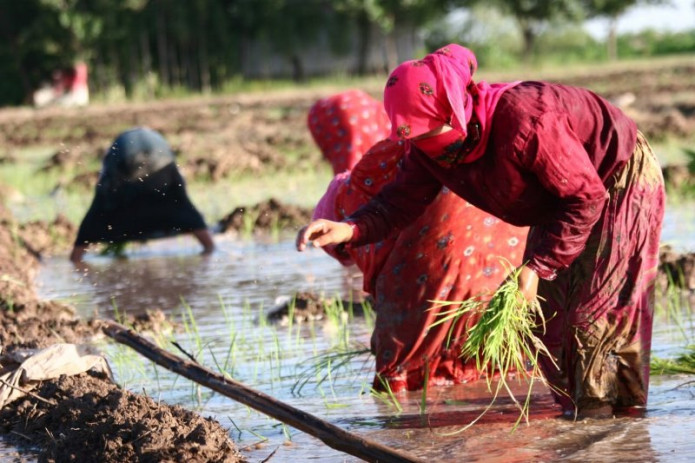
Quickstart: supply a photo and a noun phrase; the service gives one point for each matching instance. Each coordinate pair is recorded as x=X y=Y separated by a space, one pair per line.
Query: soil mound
x=305 y=307
x=266 y=216
x=676 y=269
x=95 y=420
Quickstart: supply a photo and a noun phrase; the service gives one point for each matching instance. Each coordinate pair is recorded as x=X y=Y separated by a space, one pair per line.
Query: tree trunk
x=204 y=64
x=174 y=64
x=529 y=38
x=612 y=39
x=146 y=62
x=297 y=68
x=134 y=76
x=17 y=57
x=364 y=41
x=162 y=55
x=391 y=49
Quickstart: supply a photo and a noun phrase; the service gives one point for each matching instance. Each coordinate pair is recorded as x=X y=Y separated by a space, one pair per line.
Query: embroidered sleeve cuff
x=543 y=272
x=355 y=231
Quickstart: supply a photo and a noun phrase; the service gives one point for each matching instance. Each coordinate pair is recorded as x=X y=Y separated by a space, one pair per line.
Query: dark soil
x=95 y=420
x=262 y=133
x=266 y=216
x=306 y=307
x=676 y=269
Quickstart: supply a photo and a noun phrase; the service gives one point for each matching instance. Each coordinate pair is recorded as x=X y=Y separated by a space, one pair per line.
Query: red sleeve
x=398 y=204
x=562 y=165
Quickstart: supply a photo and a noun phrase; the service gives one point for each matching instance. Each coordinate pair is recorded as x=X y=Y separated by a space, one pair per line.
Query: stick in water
x=330 y=434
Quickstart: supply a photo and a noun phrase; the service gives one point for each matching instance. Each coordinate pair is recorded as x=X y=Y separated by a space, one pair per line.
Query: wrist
x=355 y=230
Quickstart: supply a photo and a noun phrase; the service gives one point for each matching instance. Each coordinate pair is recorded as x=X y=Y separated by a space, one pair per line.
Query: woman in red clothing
x=451 y=252
x=561 y=160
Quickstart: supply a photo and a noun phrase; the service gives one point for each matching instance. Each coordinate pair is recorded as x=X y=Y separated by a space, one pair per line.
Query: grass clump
x=683 y=364
x=503 y=341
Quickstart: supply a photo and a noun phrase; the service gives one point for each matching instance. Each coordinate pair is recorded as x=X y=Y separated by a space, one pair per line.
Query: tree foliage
x=612 y=10
x=144 y=47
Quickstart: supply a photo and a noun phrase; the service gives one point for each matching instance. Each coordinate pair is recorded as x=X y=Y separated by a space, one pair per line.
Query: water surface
x=221 y=299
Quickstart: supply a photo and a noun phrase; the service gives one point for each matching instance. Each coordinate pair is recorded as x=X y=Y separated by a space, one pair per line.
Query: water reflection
x=143 y=284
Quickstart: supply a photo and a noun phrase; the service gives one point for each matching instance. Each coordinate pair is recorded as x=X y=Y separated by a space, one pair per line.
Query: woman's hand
x=323 y=232
x=528 y=283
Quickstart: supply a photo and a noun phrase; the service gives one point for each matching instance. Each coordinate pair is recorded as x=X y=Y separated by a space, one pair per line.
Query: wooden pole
x=330 y=434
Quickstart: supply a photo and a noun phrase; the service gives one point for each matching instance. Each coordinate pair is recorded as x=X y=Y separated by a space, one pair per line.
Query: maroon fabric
x=572 y=166
x=551 y=153
x=601 y=308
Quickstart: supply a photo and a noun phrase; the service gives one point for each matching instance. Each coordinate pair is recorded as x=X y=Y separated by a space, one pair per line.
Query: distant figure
x=140 y=195
x=346 y=125
x=68 y=88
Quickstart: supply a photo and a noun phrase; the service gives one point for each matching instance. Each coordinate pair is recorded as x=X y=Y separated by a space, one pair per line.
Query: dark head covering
x=140 y=193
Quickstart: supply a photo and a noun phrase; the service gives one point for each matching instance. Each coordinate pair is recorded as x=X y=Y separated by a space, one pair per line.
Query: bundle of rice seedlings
x=683 y=364
x=503 y=339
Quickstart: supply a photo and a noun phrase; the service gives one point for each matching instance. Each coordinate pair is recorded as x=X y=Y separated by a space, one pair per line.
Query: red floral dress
x=452 y=252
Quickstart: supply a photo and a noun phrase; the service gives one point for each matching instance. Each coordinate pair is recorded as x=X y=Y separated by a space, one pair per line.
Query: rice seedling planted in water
x=503 y=341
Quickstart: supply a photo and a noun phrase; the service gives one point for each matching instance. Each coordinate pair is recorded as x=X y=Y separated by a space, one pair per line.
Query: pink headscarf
x=346 y=125
x=422 y=95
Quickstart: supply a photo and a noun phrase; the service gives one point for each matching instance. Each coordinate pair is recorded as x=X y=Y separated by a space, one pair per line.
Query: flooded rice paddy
x=219 y=303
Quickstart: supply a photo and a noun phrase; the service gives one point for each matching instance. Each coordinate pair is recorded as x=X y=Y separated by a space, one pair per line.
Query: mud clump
x=266 y=216
x=95 y=420
x=26 y=321
x=676 y=269
x=306 y=307
x=678 y=177
x=45 y=238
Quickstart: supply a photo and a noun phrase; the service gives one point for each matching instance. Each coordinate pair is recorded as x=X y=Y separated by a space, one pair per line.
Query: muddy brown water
x=226 y=293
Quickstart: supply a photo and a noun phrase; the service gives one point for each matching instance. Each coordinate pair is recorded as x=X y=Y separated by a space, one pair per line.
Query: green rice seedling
x=683 y=364
x=503 y=339
x=286 y=432
x=334 y=404
x=387 y=396
x=674 y=307
x=116 y=250
x=369 y=315
x=248 y=225
x=241 y=431
x=423 y=396
x=323 y=367
x=191 y=327
x=275 y=229
x=338 y=318
x=117 y=315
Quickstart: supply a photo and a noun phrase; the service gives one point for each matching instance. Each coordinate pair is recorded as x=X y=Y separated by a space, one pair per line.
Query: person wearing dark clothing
x=140 y=196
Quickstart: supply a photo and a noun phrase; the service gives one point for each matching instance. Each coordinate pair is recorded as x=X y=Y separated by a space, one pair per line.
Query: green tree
x=612 y=10
x=33 y=43
x=531 y=16
x=388 y=16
